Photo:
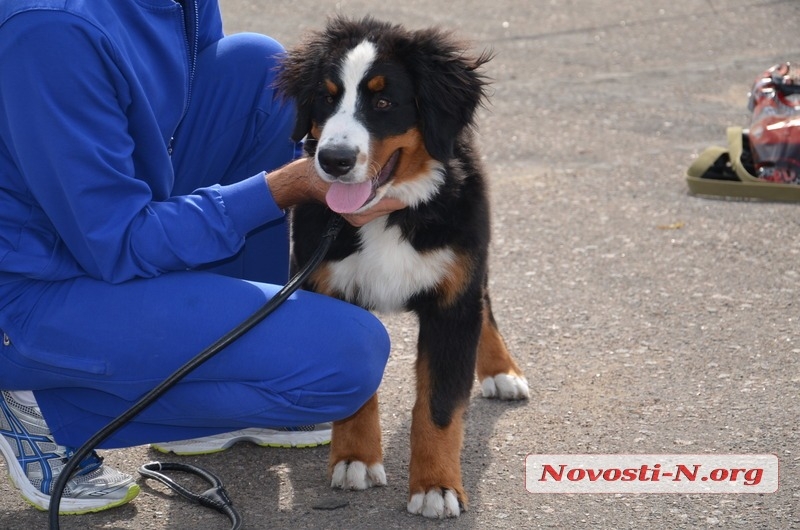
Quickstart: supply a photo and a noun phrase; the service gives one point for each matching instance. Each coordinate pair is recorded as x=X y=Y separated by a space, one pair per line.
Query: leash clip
x=215 y=497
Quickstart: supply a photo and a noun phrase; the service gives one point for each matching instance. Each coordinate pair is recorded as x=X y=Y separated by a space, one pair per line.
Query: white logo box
x=653 y=473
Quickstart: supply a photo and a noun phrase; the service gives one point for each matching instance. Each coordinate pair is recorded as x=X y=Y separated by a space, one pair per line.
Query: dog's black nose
x=337 y=161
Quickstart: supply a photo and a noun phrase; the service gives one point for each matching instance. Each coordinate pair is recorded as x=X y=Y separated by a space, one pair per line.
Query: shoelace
x=87 y=465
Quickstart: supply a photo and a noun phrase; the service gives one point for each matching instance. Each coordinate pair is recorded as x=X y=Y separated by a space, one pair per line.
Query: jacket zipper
x=191 y=46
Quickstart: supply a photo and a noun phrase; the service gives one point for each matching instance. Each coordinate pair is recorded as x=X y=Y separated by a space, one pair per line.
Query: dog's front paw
x=357 y=475
x=505 y=386
x=435 y=504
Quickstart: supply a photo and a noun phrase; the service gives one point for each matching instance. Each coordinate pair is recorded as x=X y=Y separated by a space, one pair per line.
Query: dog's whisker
x=375 y=170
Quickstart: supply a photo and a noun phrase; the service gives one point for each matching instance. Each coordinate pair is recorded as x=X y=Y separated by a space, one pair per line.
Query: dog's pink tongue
x=347 y=198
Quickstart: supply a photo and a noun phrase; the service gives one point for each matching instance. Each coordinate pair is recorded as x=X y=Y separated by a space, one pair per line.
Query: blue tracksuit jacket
x=89 y=105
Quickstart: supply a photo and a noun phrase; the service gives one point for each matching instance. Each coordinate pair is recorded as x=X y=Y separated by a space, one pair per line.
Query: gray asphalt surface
x=647 y=321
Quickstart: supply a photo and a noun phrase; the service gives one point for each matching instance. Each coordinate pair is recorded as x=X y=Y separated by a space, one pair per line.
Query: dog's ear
x=450 y=87
x=297 y=81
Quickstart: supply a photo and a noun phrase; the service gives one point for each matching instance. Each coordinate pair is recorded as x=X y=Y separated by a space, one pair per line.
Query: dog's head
x=381 y=106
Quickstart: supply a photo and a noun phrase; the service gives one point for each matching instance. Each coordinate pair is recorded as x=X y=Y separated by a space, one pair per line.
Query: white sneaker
x=35 y=461
x=306 y=436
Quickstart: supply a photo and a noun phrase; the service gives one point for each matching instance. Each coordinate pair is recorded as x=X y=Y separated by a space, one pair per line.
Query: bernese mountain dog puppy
x=389 y=112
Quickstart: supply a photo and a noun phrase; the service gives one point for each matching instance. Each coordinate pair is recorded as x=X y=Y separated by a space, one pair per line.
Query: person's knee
x=365 y=353
x=255 y=58
x=242 y=60
x=249 y=50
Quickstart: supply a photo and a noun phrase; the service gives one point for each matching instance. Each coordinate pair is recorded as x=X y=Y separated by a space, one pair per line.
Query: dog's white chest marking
x=387 y=270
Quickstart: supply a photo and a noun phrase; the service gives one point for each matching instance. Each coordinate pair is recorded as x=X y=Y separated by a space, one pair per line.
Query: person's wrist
x=295 y=183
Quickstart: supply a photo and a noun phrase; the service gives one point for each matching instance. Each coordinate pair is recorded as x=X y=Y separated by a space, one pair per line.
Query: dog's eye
x=329 y=99
x=382 y=104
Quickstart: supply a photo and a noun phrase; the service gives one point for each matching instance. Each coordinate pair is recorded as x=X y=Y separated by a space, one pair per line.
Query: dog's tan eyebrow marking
x=331 y=86
x=377 y=83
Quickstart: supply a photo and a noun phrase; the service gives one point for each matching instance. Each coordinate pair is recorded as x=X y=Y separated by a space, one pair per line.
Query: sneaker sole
x=69 y=506
x=216 y=444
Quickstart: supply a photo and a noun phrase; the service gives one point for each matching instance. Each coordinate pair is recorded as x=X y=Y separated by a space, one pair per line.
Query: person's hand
x=383 y=207
x=297 y=182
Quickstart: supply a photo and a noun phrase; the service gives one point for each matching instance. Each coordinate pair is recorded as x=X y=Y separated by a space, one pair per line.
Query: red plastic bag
x=775 y=125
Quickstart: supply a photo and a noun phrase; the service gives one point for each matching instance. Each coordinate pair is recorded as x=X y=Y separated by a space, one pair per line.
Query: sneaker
x=35 y=460
x=306 y=436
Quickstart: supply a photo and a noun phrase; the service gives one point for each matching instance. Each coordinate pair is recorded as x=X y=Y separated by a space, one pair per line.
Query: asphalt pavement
x=648 y=321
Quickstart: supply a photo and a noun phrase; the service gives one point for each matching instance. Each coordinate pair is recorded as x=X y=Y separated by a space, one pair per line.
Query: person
x=145 y=168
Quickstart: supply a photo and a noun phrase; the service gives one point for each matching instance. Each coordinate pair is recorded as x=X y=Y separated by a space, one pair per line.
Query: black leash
x=215 y=497
x=335 y=224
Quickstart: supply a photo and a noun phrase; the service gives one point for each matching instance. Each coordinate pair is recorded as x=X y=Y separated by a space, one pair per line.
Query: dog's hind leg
x=498 y=373
x=356 y=457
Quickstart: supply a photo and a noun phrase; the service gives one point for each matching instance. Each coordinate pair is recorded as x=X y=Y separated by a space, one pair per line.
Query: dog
x=389 y=112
